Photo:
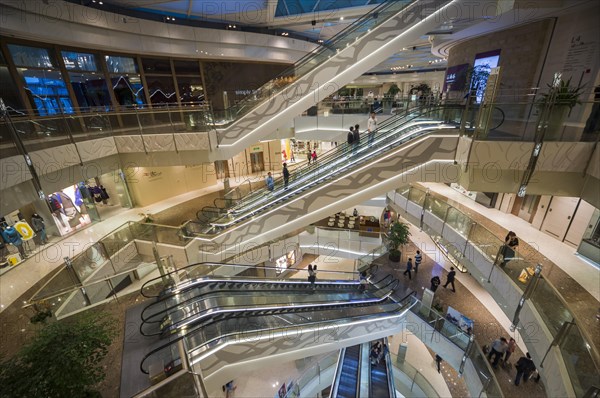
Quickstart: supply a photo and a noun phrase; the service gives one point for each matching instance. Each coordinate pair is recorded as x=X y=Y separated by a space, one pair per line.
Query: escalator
x=403 y=147
x=220 y=343
x=364 y=44
x=357 y=375
x=346 y=382
x=211 y=299
x=381 y=379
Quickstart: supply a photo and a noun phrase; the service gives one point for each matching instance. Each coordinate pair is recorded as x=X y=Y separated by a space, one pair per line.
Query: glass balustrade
x=578 y=347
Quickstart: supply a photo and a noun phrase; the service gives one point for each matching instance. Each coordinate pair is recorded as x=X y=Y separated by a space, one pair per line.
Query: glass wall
x=189 y=82
x=87 y=80
x=125 y=80
x=43 y=82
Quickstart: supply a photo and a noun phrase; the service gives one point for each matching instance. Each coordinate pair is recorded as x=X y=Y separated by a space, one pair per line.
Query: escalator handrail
x=330 y=284
x=308 y=171
x=342 y=149
x=405 y=307
x=317 y=305
x=318 y=51
x=208 y=263
x=390 y=370
x=338 y=373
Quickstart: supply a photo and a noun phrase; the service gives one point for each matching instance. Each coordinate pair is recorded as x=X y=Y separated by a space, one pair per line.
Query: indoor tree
x=397 y=237
x=62 y=360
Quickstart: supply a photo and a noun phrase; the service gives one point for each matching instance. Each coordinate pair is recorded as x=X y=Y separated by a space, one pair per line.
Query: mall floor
x=470 y=299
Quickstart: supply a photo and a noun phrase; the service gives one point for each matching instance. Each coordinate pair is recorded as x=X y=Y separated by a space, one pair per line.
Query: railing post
x=467 y=354
x=73 y=273
x=558 y=339
x=425 y=200
x=197 y=377
x=444 y=221
x=137 y=116
x=473 y=223
x=526 y=295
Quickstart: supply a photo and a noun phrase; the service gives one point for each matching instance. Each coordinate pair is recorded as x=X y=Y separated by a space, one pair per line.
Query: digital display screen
x=484 y=62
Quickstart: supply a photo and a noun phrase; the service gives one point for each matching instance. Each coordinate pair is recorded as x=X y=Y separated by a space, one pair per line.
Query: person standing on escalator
x=286 y=176
x=356 y=141
x=312 y=275
x=371 y=127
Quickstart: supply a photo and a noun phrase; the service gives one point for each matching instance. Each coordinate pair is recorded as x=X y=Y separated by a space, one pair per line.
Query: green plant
x=393 y=90
x=64 y=359
x=398 y=236
x=562 y=94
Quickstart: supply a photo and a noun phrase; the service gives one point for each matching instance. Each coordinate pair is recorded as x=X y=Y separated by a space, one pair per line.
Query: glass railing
x=314 y=374
x=315 y=59
x=416 y=377
x=42 y=132
x=552 y=307
x=484 y=371
x=74 y=298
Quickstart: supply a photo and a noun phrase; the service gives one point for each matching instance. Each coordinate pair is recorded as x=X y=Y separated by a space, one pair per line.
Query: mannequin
x=11 y=235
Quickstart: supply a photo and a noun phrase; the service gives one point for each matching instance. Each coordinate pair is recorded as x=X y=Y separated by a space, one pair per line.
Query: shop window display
x=68 y=209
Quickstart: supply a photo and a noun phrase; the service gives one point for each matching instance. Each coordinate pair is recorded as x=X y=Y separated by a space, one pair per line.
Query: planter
x=394 y=256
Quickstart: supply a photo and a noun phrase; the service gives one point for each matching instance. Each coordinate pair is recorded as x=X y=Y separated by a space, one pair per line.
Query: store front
x=98 y=198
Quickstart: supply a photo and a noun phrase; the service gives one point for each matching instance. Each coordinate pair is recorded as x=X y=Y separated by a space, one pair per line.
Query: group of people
x=354 y=133
x=502 y=349
x=409 y=264
x=378 y=352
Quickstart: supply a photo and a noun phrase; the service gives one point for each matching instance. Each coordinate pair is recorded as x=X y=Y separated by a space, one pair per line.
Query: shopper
x=350 y=139
x=312 y=275
x=374 y=355
x=409 y=267
x=270 y=182
x=497 y=350
x=450 y=279
x=384 y=351
x=292 y=158
x=286 y=176
x=511 y=243
x=438 y=361
x=309 y=156
x=314 y=157
x=355 y=212
x=525 y=367
x=39 y=227
x=356 y=141
x=386 y=217
x=512 y=344
x=229 y=388
x=418 y=259
x=363 y=281
x=371 y=127
x=435 y=282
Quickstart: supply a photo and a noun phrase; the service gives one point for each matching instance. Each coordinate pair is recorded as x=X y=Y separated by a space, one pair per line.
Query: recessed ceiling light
x=341 y=18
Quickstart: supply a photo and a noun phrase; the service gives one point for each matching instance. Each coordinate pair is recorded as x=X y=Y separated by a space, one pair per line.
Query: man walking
x=450 y=279
x=286 y=178
x=371 y=127
x=418 y=259
x=409 y=267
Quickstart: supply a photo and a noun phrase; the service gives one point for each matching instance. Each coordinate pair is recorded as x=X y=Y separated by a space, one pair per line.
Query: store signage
x=258 y=148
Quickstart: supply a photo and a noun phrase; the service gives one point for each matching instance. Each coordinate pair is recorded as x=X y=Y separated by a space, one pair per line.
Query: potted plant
x=557 y=103
x=397 y=237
